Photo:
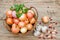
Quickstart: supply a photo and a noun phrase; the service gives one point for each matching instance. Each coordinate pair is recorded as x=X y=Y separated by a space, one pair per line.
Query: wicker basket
x=36 y=17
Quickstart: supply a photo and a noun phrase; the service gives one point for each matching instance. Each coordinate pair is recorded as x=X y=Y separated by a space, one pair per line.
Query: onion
x=32 y=21
x=30 y=11
x=29 y=15
x=23 y=30
x=21 y=24
x=29 y=26
x=9 y=21
x=15 y=28
x=26 y=21
x=14 y=14
x=23 y=17
x=9 y=13
x=16 y=21
x=45 y=19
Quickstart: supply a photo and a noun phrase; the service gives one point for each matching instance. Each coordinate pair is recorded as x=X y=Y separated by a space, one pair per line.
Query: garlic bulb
x=36 y=33
x=44 y=29
x=38 y=28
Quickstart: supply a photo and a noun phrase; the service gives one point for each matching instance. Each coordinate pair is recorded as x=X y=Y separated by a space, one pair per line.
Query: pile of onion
x=22 y=24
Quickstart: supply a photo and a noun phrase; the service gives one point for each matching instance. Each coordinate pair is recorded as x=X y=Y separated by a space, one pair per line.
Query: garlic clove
x=42 y=35
x=49 y=37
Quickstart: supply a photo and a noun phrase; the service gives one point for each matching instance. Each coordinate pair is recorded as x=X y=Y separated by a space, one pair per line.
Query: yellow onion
x=29 y=26
x=32 y=21
x=31 y=11
x=26 y=21
x=15 y=28
x=9 y=21
x=23 y=17
x=29 y=15
x=21 y=24
x=45 y=19
x=23 y=30
x=16 y=21
x=9 y=13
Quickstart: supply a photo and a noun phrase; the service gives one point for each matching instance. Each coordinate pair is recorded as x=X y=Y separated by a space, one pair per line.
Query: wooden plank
x=44 y=7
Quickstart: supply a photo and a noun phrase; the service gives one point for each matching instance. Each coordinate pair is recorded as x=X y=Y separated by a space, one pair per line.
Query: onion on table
x=45 y=19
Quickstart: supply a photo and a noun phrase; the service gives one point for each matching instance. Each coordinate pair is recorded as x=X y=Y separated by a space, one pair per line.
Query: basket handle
x=36 y=16
x=35 y=10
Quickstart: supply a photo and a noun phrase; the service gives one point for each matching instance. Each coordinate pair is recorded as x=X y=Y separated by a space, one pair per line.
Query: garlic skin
x=44 y=29
x=36 y=33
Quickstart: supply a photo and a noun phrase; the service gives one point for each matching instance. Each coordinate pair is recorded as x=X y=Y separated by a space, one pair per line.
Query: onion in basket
x=15 y=28
x=23 y=30
x=16 y=21
x=9 y=21
x=29 y=15
x=29 y=26
x=9 y=13
x=21 y=24
x=23 y=17
x=32 y=21
x=14 y=14
x=30 y=11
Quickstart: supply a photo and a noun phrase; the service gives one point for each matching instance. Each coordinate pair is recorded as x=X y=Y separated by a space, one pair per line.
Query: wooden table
x=44 y=7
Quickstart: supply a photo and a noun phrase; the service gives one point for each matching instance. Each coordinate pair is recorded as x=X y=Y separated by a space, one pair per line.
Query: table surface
x=50 y=8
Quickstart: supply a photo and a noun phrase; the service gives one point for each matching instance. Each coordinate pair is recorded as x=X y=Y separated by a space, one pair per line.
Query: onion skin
x=9 y=21
x=23 y=30
x=45 y=19
x=29 y=26
x=21 y=24
x=29 y=15
x=16 y=21
x=14 y=14
x=9 y=13
x=23 y=17
x=15 y=29
x=32 y=21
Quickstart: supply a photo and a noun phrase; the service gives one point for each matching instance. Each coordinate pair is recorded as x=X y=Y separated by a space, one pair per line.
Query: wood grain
x=44 y=7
